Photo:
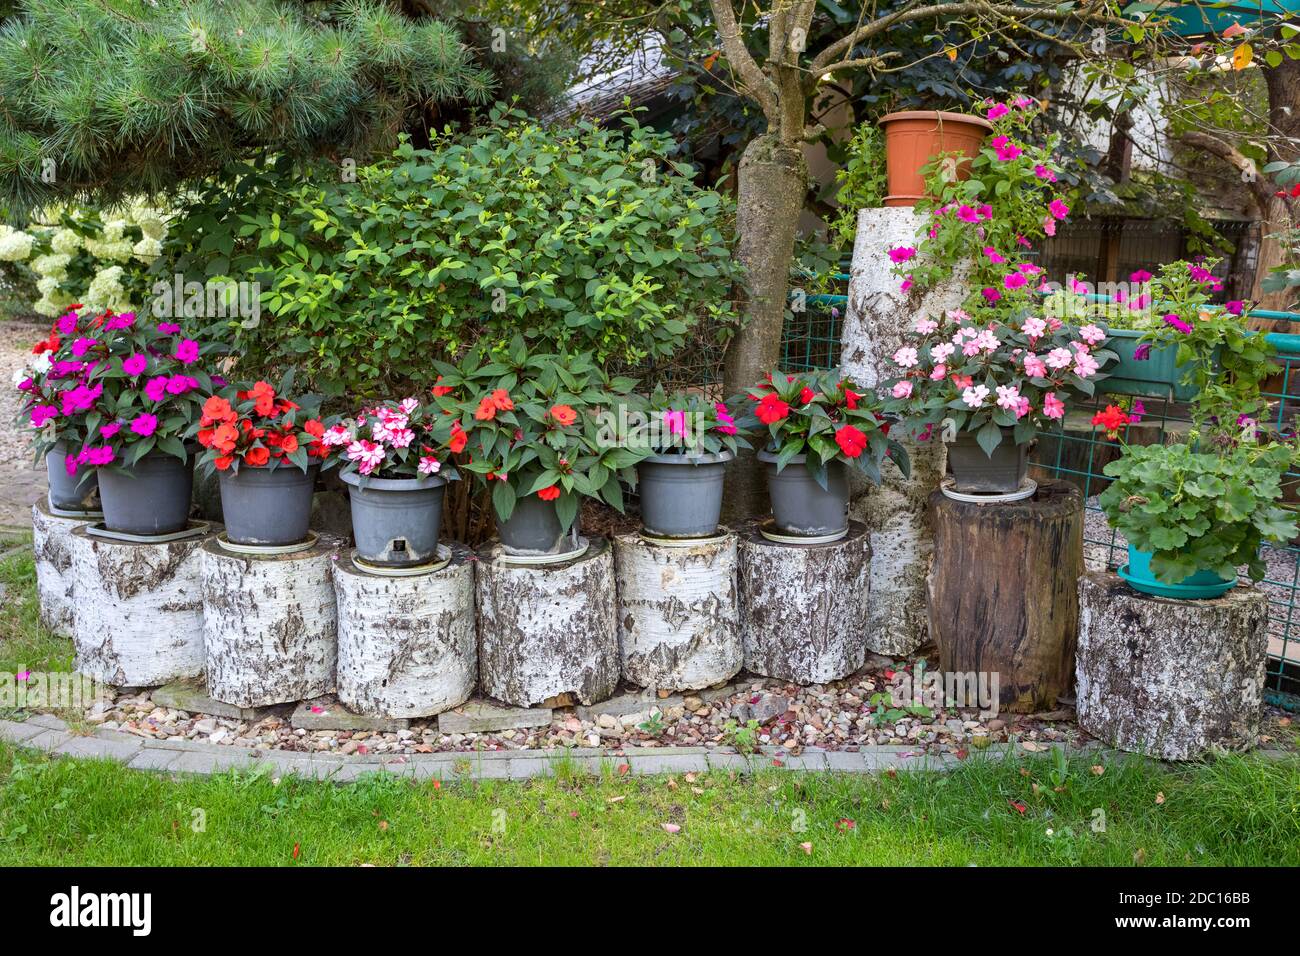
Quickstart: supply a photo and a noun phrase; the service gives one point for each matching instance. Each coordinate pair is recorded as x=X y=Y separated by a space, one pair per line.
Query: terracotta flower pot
x=914 y=137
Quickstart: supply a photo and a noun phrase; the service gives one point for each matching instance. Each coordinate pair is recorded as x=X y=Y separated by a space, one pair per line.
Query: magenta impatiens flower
x=109 y=430
x=82 y=346
x=156 y=388
x=144 y=424
x=97 y=456
x=1058 y=209
x=135 y=365
x=1236 y=306
x=187 y=351
x=1179 y=324
x=42 y=414
x=168 y=328
x=900 y=254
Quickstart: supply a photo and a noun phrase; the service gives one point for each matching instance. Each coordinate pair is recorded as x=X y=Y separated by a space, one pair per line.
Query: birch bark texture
x=1166 y=678
x=269 y=624
x=804 y=607
x=547 y=630
x=876 y=324
x=139 y=620
x=678 y=612
x=407 y=645
x=52 y=554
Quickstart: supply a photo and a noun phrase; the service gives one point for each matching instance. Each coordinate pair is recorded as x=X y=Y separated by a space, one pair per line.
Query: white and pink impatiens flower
x=1009 y=397
x=429 y=465
x=905 y=357
x=925 y=325
x=1085 y=365
x=1059 y=358
x=974 y=395
x=337 y=435
x=1092 y=334
x=1053 y=407
x=369 y=455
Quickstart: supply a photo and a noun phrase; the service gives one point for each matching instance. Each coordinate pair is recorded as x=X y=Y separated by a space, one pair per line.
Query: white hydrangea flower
x=105 y=290
x=47 y=306
x=65 y=242
x=15 y=246
x=118 y=250
x=113 y=230
x=147 y=249
x=54 y=264
x=47 y=285
x=150 y=220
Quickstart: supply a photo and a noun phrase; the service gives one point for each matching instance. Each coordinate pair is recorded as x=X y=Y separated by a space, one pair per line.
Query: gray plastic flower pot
x=150 y=497
x=800 y=506
x=265 y=507
x=395 y=521
x=681 y=495
x=974 y=472
x=75 y=492
x=533 y=528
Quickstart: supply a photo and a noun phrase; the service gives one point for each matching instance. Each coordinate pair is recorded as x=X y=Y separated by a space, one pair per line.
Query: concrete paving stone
x=48 y=739
x=481 y=716
x=119 y=750
x=18 y=731
x=192 y=697
x=670 y=763
x=146 y=759
x=202 y=762
x=48 y=720
x=326 y=713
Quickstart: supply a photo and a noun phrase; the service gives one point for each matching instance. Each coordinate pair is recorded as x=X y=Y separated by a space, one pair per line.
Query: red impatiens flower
x=806 y=396
x=549 y=493
x=257 y=457
x=563 y=415
x=458 y=439
x=1112 y=420
x=851 y=440
x=440 y=390
x=486 y=411
x=851 y=398
x=771 y=409
x=502 y=401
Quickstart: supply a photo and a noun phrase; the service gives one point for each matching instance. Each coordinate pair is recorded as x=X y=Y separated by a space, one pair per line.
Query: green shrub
x=580 y=238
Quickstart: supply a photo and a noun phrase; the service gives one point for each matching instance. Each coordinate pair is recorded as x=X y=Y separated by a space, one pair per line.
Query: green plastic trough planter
x=1156 y=377
x=1199 y=586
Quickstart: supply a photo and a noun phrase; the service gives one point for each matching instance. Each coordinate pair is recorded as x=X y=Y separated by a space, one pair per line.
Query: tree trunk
x=678 y=613
x=772 y=182
x=548 y=630
x=139 y=620
x=1283 y=82
x=52 y=553
x=1004 y=594
x=269 y=625
x=804 y=606
x=1170 y=679
x=407 y=646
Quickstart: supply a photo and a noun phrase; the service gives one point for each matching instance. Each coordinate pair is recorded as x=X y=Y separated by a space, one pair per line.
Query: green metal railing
x=1077 y=452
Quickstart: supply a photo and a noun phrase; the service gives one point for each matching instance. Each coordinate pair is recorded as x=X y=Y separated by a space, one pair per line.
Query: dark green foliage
x=126 y=97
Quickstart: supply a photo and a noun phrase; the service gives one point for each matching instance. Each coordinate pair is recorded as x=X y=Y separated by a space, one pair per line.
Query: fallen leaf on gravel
x=670 y=827
x=624 y=768
x=1032 y=747
x=690 y=777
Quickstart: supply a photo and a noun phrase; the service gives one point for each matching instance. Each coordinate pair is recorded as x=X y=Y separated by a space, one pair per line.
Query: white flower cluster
x=112 y=248
x=15 y=245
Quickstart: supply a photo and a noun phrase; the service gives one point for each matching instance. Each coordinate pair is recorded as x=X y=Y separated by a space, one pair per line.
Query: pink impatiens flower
x=905 y=357
x=1058 y=209
x=967 y=214
x=1053 y=407
x=675 y=419
x=1035 y=367
x=1084 y=364
x=1033 y=327
x=726 y=423
x=974 y=395
x=156 y=388
x=1059 y=358
x=1092 y=334
x=993 y=256
x=925 y=325
x=1013 y=280
x=902 y=389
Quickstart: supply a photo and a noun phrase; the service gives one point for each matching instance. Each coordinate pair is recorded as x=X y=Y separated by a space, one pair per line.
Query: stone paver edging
x=52 y=735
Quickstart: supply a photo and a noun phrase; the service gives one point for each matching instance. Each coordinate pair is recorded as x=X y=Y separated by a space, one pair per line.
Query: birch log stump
x=1170 y=679
x=1004 y=591
x=546 y=630
x=678 y=615
x=269 y=624
x=139 y=620
x=878 y=319
x=407 y=646
x=52 y=551
x=804 y=607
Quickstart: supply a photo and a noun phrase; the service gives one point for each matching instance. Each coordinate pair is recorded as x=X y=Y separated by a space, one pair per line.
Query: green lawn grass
x=1234 y=811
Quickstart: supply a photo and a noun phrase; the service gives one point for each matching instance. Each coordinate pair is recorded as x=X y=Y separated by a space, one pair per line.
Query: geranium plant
x=824 y=417
x=126 y=387
x=397 y=439
x=982 y=376
x=686 y=423
x=528 y=426
x=1200 y=510
x=256 y=426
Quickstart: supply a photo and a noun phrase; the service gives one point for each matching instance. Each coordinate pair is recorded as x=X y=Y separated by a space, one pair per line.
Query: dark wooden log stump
x=546 y=630
x=804 y=607
x=1003 y=591
x=139 y=620
x=407 y=646
x=269 y=624
x=1170 y=679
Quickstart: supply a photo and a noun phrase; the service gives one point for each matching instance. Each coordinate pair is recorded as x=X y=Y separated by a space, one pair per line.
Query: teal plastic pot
x=1201 y=585
x=1157 y=377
